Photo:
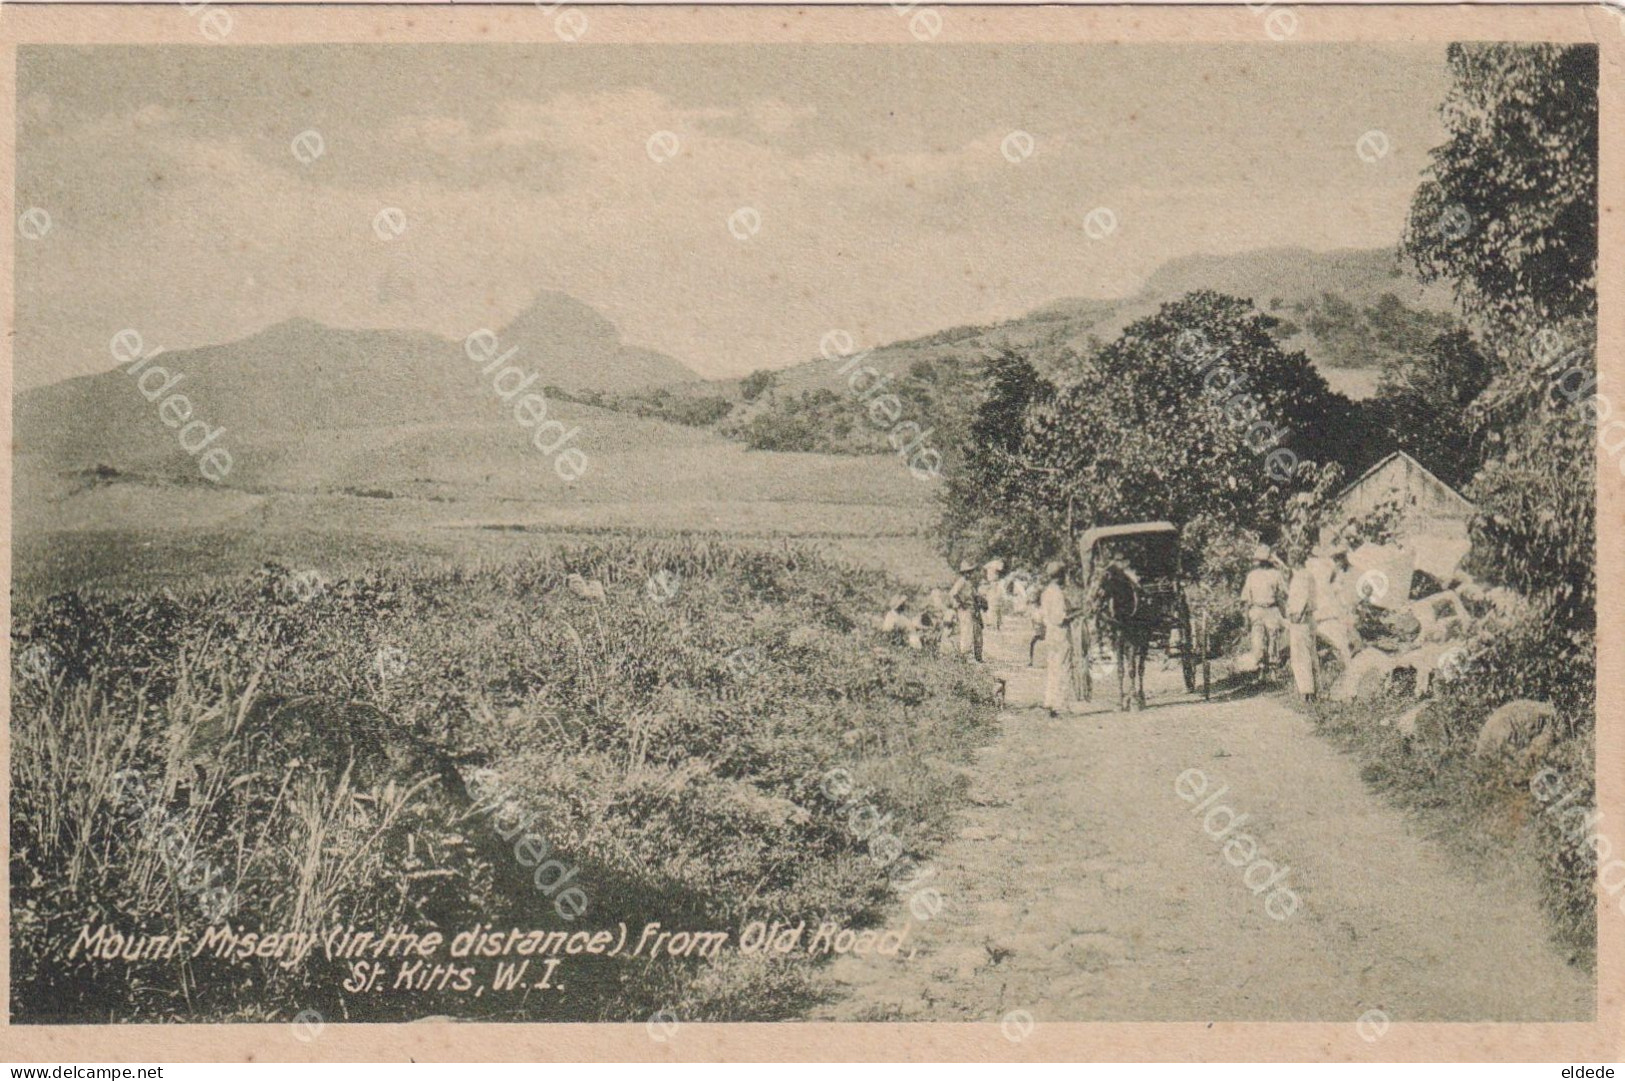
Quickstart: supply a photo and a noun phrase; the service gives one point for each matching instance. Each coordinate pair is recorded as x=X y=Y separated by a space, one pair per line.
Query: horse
x=1125 y=617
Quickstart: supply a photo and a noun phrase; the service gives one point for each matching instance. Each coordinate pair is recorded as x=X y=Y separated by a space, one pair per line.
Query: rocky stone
x=1520 y=725
x=1366 y=676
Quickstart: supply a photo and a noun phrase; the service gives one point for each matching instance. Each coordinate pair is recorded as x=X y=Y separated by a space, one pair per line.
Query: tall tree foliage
x=1509 y=216
x=1508 y=213
x=1192 y=413
x=985 y=504
x=1425 y=404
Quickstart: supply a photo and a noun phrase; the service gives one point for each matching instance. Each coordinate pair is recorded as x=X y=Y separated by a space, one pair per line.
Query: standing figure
x=992 y=591
x=1263 y=593
x=1078 y=631
x=1300 y=632
x=1057 y=617
x=1038 y=634
x=1020 y=594
x=1334 y=616
x=967 y=603
x=942 y=618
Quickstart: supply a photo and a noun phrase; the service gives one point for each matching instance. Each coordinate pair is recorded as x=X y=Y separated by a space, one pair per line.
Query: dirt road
x=1084 y=886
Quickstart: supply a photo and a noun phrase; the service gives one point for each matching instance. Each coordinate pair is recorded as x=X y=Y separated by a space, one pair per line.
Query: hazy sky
x=878 y=174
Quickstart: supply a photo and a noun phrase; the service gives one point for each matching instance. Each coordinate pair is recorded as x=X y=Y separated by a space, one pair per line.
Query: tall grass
x=242 y=752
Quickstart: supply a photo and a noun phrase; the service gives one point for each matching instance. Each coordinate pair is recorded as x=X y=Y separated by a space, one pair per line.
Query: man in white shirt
x=968 y=604
x=1262 y=593
x=1057 y=641
x=1300 y=631
x=992 y=592
x=1334 y=615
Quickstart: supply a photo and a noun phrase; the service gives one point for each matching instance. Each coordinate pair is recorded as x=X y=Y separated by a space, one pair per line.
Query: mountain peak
x=552 y=316
x=578 y=347
x=294 y=326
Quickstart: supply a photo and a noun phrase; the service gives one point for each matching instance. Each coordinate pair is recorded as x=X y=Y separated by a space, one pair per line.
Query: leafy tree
x=1349 y=336
x=756 y=384
x=1508 y=213
x=816 y=420
x=1309 y=509
x=698 y=412
x=1198 y=410
x=1519 y=174
x=985 y=505
x=1193 y=412
x=1536 y=526
x=1424 y=405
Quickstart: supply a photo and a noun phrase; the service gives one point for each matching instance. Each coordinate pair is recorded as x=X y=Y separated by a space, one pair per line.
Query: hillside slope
x=293 y=399
x=1348 y=311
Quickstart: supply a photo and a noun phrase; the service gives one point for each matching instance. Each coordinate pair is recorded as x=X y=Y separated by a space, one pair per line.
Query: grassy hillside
x=300 y=379
x=1349 y=311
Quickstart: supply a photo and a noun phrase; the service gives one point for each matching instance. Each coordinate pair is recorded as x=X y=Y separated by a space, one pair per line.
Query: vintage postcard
x=908 y=531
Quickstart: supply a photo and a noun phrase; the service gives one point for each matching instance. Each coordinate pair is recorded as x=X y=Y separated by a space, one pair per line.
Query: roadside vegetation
x=1200 y=415
x=295 y=754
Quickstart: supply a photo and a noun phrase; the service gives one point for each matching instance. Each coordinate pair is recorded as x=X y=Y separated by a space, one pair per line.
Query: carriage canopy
x=1151 y=548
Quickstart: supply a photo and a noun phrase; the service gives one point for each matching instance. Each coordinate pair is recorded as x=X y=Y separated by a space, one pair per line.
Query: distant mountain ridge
x=303 y=376
x=1349 y=311
x=1276 y=280
x=1292 y=284
x=291 y=390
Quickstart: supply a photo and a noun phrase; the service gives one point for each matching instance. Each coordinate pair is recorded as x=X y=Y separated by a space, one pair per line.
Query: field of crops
x=282 y=752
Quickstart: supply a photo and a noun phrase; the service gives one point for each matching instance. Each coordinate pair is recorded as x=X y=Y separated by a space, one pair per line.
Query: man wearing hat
x=993 y=591
x=1334 y=616
x=1300 y=631
x=1052 y=605
x=1263 y=593
x=964 y=597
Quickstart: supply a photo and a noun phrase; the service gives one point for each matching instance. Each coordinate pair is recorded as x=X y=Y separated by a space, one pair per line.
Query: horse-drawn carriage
x=1138 y=602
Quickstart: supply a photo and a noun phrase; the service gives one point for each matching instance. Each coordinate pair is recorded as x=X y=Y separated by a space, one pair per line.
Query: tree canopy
x=1425 y=405
x=1520 y=164
x=1194 y=412
x=1508 y=212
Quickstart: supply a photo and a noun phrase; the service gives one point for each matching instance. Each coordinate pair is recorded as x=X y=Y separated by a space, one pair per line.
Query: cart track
x=1081 y=886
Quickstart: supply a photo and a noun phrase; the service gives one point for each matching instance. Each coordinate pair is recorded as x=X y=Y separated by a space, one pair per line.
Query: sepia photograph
x=900 y=518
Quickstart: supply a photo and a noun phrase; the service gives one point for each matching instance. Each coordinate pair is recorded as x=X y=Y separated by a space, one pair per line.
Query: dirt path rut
x=1083 y=886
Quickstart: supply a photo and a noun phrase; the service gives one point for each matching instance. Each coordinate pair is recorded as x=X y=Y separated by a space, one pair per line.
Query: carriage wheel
x=1188 y=651
x=1207 y=664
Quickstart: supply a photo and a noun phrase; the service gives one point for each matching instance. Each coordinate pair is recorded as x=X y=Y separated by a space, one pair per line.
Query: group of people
x=965 y=607
x=1289 y=612
x=1311 y=604
x=984 y=595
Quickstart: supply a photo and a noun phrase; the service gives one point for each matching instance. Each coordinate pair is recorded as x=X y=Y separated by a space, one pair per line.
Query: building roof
x=1450 y=493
